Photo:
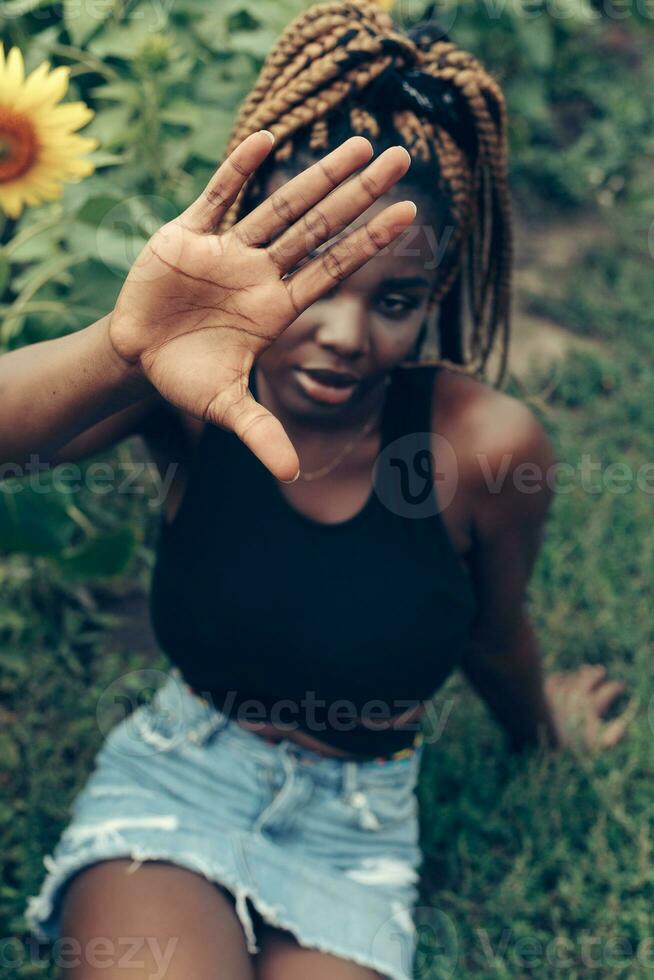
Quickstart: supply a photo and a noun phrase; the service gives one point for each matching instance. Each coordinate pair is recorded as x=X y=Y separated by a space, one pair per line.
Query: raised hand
x=198 y=308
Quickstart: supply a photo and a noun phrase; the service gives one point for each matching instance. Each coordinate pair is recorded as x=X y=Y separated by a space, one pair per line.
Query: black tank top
x=330 y=628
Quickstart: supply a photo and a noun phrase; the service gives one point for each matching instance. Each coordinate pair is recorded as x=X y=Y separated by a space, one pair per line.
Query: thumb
x=265 y=436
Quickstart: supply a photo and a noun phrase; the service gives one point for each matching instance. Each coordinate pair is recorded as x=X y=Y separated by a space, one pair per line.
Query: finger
x=599 y=671
x=612 y=732
x=606 y=694
x=588 y=675
x=263 y=434
x=339 y=209
x=347 y=255
x=222 y=190
x=292 y=200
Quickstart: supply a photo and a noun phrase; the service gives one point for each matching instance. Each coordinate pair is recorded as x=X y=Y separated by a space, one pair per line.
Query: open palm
x=198 y=308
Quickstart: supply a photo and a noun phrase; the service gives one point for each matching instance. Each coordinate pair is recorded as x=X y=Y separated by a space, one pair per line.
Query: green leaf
x=125 y=41
x=82 y=19
x=9 y=753
x=209 y=140
x=536 y=39
x=111 y=244
x=95 y=208
x=111 y=126
x=256 y=43
x=32 y=521
x=4 y=271
x=102 y=557
x=125 y=92
x=181 y=112
x=212 y=31
x=528 y=98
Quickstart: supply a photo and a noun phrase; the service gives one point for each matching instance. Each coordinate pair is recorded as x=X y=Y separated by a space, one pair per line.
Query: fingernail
x=296 y=477
x=414 y=206
x=268 y=134
x=407 y=153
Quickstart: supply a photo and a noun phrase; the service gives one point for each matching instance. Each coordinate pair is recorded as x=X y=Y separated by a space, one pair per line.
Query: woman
x=332 y=545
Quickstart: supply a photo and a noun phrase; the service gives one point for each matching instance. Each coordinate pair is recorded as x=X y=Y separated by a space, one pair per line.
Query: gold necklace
x=347 y=449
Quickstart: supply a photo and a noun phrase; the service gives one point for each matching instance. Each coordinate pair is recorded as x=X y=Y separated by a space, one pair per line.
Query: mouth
x=325 y=386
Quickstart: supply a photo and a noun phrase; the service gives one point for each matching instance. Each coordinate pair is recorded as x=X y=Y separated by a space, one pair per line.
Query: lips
x=326 y=386
x=335 y=379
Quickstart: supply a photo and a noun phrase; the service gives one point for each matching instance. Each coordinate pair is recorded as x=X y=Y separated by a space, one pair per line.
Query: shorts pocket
x=174 y=719
x=376 y=806
x=391 y=805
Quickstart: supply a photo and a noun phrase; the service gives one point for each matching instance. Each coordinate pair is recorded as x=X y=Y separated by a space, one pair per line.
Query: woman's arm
x=198 y=308
x=502 y=661
x=65 y=398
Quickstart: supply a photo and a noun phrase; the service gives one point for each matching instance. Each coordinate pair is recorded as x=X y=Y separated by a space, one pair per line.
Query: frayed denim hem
x=42 y=907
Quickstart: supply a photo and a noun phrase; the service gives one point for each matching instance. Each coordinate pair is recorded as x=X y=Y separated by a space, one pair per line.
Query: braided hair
x=342 y=68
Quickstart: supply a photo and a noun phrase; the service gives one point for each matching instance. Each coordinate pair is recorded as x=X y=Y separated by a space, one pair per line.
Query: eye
x=396 y=304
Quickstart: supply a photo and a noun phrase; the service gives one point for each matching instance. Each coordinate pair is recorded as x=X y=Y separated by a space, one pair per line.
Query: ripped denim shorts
x=324 y=847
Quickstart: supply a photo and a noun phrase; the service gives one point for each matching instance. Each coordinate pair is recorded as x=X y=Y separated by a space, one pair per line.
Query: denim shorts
x=324 y=847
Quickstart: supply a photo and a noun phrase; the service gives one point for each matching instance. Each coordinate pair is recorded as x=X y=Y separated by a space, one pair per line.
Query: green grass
x=535 y=866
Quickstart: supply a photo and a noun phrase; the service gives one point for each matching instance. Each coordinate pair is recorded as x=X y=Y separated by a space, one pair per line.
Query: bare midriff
x=275 y=734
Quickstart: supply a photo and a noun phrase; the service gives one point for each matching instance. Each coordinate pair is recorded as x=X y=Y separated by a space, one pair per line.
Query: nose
x=343 y=327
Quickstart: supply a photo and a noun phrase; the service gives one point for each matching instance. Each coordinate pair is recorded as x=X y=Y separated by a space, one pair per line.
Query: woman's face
x=341 y=347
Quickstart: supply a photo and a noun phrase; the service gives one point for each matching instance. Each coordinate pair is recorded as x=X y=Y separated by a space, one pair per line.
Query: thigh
x=157 y=922
x=282 y=958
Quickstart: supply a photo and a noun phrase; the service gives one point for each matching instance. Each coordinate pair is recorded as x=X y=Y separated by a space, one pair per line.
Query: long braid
x=324 y=66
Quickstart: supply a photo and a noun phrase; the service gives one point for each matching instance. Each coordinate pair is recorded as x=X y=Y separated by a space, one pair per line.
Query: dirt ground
x=542 y=251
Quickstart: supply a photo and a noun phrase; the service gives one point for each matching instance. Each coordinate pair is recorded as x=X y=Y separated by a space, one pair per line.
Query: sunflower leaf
x=4 y=271
x=82 y=20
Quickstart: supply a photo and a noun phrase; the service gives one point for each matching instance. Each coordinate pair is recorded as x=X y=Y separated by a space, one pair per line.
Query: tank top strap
x=408 y=403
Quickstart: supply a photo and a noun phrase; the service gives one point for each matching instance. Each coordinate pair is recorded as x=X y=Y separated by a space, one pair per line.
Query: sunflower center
x=18 y=145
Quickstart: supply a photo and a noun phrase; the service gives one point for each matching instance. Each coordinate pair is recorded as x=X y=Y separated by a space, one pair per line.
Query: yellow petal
x=69 y=116
x=54 y=87
x=65 y=148
x=15 y=69
x=42 y=88
x=31 y=109
x=10 y=201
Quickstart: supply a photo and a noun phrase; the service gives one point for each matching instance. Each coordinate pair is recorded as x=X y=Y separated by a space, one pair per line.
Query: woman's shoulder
x=489 y=420
x=503 y=452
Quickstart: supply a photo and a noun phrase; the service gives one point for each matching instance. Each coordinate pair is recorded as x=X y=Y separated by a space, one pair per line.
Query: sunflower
x=38 y=145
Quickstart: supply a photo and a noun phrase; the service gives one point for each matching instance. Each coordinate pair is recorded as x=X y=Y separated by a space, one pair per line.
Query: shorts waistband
x=404 y=753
